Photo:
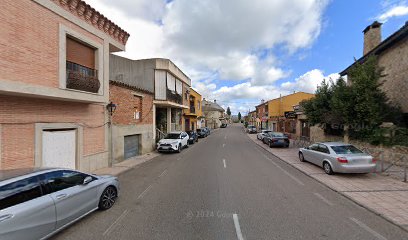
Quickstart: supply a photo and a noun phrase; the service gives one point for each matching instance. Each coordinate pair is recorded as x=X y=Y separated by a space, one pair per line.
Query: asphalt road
x=226 y=187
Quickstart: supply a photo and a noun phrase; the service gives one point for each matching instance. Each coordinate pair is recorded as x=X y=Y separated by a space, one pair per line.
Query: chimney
x=215 y=101
x=372 y=37
x=262 y=101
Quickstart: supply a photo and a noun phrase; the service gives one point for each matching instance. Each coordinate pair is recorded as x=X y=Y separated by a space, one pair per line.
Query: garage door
x=59 y=148
x=131 y=146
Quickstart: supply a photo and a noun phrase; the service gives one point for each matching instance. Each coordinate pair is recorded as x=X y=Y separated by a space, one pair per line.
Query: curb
x=403 y=227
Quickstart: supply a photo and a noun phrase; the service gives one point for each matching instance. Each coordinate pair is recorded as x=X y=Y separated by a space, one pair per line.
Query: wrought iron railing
x=174 y=97
x=82 y=78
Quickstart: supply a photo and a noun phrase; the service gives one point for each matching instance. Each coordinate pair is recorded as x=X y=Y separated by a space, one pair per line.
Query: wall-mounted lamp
x=111 y=108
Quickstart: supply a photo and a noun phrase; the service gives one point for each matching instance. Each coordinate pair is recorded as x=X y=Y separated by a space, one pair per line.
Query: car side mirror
x=87 y=180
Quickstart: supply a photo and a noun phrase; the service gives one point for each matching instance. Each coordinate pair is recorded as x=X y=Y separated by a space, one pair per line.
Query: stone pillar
x=169 y=119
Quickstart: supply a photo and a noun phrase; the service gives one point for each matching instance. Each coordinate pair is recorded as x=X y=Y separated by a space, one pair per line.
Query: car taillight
x=373 y=160
x=342 y=160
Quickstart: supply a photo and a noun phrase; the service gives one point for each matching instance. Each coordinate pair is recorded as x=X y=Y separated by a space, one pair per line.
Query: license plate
x=281 y=141
x=165 y=147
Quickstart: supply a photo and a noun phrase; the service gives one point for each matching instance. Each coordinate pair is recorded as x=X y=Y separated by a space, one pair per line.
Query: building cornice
x=85 y=12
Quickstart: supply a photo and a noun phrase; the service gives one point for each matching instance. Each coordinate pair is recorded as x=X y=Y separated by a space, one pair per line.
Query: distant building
x=213 y=113
x=193 y=114
x=278 y=114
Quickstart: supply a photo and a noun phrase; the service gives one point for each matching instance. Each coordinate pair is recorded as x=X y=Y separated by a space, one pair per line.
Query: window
x=80 y=54
x=346 y=149
x=314 y=147
x=323 y=149
x=19 y=192
x=60 y=180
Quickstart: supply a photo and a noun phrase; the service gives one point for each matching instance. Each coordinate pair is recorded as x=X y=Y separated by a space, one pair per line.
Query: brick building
x=392 y=54
x=133 y=118
x=54 y=84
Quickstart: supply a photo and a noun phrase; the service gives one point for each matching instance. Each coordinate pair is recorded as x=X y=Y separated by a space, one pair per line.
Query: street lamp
x=111 y=108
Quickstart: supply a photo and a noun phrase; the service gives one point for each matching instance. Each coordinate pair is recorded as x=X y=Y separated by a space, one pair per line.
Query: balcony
x=174 y=97
x=82 y=78
x=192 y=109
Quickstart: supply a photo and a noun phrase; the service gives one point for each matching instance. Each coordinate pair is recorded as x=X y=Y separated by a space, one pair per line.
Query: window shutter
x=80 y=53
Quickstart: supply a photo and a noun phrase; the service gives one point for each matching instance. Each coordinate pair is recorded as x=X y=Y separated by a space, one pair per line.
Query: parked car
x=224 y=125
x=173 y=142
x=37 y=203
x=276 y=139
x=193 y=137
x=251 y=129
x=338 y=157
x=262 y=134
x=208 y=130
x=202 y=133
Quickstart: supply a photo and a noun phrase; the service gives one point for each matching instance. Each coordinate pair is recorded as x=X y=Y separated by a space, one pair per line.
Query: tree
x=228 y=111
x=239 y=116
x=358 y=108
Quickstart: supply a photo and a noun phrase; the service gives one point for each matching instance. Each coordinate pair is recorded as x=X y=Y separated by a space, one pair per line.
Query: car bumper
x=366 y=168
x=279 y=144
x=167 y=148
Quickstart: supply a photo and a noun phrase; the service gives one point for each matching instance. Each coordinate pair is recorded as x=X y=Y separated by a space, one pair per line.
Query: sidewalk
x=385 y=196
x=126 y=165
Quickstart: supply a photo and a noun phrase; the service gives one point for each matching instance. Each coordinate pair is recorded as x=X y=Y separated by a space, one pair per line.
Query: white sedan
x=262 y=134
x=173 y=142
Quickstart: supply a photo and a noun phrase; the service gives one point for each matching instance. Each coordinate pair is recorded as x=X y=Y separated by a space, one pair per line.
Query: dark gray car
x=37 y=203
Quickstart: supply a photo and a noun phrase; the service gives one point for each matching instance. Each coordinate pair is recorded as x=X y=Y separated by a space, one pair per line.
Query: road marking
x=164 y=172
x=225 y=164
x=144 y=192
x=115 y=222
x=223 y=145
x=323 y=199
x=237 y=227
x=368 y=229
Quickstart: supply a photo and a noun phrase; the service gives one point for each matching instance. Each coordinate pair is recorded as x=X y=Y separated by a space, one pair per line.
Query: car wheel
x=270 y=144
x=301 y=158
x=179 y=148
x=197 y=140
x=188 y=144
x=108 y=198
x=327 y=168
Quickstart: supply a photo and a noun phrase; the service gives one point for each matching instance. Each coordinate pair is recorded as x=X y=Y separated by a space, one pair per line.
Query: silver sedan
x=262 y=134
x=37 y=203
x=338 y=157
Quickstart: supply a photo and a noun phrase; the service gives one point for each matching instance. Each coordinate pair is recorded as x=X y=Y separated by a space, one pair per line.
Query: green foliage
x=360 y=105
x=239 y=116
x=228 y=111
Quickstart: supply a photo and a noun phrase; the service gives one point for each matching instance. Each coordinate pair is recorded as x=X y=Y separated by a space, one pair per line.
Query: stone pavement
x=385 y=196
x=126 y=165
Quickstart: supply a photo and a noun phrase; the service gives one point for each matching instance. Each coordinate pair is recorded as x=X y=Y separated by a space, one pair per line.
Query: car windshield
x=173 y=136
x=346 y=149
x=277 y=134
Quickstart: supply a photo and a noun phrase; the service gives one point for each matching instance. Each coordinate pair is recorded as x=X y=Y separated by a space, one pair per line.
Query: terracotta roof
x=124 y=85
x=85 y=12
x=399 y=35
x=211 y=106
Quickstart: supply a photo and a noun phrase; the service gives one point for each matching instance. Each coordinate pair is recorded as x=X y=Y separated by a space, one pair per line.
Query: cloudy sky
x=239 y=51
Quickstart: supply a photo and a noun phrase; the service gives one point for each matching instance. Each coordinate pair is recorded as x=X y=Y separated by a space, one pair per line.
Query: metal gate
x=131 y=146
x=59 y=148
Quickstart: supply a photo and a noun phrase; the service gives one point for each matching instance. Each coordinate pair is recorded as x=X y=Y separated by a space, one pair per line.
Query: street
x=227 y=187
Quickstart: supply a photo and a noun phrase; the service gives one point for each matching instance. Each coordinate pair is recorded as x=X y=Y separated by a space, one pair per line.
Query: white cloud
x=226 y=40
x=309 y=81
x=394 y=11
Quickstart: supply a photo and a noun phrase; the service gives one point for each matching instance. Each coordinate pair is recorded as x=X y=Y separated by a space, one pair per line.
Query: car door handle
x=61 y=196
x=5 y=217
